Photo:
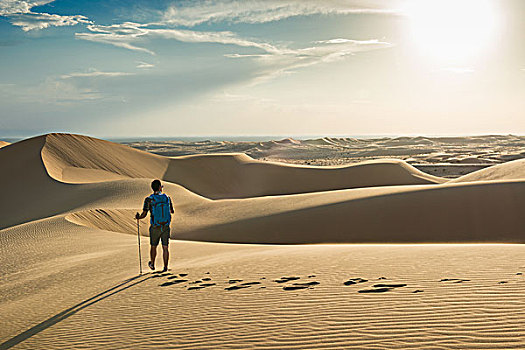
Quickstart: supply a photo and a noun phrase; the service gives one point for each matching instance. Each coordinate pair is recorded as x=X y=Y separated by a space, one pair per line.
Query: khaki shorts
x=157 y=233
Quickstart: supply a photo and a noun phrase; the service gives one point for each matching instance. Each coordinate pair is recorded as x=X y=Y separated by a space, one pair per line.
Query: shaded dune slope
x=474 y=212
x=261 y=202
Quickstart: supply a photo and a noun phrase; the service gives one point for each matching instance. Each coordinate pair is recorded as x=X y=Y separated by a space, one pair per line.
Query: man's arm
x=145 y=209
x=141 y=215
x=171 y=206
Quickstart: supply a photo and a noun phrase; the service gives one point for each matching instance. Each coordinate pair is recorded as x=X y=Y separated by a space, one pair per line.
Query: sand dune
x=513 y=170
x=263 y=202
x=34 y=194
x=78 y=159
x=453 y=213
x=67 y=271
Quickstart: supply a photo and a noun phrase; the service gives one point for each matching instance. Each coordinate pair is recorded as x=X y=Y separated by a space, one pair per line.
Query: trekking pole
x=138 y=235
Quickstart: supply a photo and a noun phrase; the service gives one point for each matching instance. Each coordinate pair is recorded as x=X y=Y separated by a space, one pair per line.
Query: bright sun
x=452 y=31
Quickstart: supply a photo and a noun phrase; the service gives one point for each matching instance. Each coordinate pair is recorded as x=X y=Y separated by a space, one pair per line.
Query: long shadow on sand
x=73 y=310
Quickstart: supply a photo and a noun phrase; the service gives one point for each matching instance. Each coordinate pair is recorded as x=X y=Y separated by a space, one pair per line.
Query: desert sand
x=69 y=262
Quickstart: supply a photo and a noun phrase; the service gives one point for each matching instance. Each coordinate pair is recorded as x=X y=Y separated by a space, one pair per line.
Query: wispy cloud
x=144 y=65
x=119 y=35
x=20 y=14
x=95 y=74
x=287 y=61
x=128 y=35
x=33 y=21
x=186 y=13
x=8 y=7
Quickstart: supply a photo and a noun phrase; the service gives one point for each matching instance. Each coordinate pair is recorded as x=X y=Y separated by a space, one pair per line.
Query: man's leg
x=153 y=254
x=165 y=255
x=165 y=237
x=154 y=238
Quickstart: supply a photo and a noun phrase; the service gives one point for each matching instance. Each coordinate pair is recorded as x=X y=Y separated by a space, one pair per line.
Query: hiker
x=160 y=207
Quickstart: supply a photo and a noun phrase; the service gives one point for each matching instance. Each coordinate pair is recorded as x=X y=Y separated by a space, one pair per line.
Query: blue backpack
x=160 y=209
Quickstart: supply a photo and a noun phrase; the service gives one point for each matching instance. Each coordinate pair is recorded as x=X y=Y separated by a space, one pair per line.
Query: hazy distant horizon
x=254 y=138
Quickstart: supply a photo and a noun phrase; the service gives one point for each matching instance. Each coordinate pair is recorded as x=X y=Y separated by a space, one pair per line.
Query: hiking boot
x=151 y=266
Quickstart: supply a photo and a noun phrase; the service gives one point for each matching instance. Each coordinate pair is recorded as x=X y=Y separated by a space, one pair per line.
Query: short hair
x=155 y=185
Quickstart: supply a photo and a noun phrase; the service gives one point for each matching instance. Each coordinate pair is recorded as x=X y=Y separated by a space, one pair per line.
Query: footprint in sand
x=519 y=274
x=183 y=274
x=249 y=283
x=417 y=291
x=169 y=283
x=234 y=281
x=207 y=284
x=352 y=281
x=195 y=287
x=382 y=278
x=454 y=280
x=235 y=287
x=375 y=290
x=173 y=277
x=286 y=279
x=294 y=287
x=196 y=282
x=389 y=285
x=308 y=284
x=502 y=282
x=301 y=285
x=311 y=276
x=206 y=279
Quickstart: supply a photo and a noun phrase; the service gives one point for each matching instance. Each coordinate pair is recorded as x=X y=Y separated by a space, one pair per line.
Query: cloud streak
x=95 y=74
x=128 y=35
x=285 y=62
x=272 y=62
x=144 y=65
x=186 y=13
x=20 y=15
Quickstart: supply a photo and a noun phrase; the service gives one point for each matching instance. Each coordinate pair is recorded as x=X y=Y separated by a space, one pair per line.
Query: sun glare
x=452 y=31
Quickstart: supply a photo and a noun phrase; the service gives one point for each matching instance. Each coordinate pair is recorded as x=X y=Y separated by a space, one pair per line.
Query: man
x=160 y=207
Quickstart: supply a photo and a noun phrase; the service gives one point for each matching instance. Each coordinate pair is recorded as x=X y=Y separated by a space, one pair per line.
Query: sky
x=126 y=68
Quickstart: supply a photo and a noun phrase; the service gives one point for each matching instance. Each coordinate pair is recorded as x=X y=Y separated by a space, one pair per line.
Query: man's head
x=156 y=186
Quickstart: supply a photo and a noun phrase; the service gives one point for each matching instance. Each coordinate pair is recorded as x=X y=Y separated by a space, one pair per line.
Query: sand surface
x=69 y=252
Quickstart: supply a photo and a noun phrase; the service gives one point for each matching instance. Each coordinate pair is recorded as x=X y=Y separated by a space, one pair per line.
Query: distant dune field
x=69 y=248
